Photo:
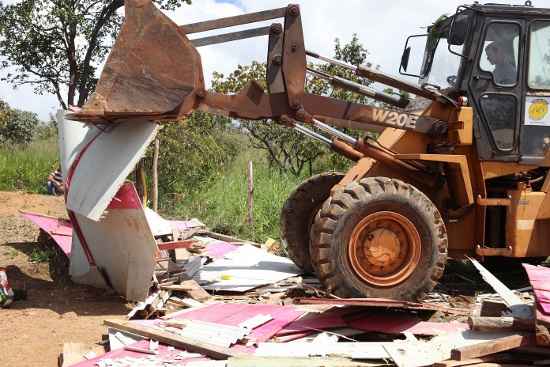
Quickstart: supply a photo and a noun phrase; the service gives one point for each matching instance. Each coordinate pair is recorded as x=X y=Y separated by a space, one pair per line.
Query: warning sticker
x=537 y=111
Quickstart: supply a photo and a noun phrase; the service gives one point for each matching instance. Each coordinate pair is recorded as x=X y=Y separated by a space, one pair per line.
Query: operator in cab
x=502 y=58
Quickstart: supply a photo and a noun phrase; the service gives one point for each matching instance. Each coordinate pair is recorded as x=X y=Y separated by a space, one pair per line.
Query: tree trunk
x=155 y=188
x=250 y=218
x=141 y=182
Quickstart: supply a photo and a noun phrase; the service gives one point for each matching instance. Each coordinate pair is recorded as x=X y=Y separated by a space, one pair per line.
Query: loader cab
x=498 y=56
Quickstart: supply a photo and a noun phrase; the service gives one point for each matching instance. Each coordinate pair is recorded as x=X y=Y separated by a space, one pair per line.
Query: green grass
x=26 y=168
x=41 y=255
x=221 y=203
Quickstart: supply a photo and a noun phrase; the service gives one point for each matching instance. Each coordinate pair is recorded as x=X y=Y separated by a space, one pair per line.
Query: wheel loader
x=459 y=168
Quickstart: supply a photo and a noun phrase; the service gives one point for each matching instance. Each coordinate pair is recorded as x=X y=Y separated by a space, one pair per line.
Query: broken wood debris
x=187 y=344
x=517 y=306
x=491 y=347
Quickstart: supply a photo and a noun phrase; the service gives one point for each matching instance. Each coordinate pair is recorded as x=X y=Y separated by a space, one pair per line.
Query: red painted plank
x=176 y=244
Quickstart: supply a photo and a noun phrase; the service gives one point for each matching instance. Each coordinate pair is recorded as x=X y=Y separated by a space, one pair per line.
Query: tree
x=287 y=149
x=53 y=44
x=16 y=126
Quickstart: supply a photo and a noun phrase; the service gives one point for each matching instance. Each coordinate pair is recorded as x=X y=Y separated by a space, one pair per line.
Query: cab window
x=539 y=56
x=500 y=53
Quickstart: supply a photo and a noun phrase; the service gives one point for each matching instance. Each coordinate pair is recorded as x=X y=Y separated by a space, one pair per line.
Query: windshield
x=441 y=66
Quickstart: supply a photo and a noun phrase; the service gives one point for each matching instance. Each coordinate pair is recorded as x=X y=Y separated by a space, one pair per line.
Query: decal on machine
x=399 y=120
x=537 y=111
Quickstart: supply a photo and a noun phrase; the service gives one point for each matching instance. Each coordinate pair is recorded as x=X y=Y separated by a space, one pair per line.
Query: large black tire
x=370 y=198
x=299 y=212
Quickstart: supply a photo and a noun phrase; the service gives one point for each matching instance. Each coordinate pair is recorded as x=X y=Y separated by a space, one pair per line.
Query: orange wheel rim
x=384 y=249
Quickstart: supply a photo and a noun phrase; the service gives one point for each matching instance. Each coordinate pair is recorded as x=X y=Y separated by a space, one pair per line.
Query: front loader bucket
x=153 y=69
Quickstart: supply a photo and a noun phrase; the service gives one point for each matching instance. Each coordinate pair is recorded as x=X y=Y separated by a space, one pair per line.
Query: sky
x=382 y=27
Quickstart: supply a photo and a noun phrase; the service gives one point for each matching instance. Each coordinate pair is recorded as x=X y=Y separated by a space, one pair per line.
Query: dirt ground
x=56 y=311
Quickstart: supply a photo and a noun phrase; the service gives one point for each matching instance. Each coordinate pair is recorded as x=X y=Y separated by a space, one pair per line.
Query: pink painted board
x=121 y=353
x=400 y=323
x=233 y=314
x=281 y=318
x=539 y=277
x=218 y=249
x=60 y=230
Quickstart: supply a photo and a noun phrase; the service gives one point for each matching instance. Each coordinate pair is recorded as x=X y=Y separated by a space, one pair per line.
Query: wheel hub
x=384 y=249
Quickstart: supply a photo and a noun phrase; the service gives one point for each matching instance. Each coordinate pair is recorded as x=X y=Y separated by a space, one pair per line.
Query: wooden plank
x=500 y=324
x=191 y=287
x=493 y=202
x=490 y=358
x=234 y=21
x=492 y=347
x=517 y=306
x=229 y=37
x=185 y=244
x=187 y=344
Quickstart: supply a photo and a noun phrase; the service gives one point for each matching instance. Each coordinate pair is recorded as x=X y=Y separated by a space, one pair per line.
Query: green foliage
x=26 y=167
x=191 y=151
x=47 y=130
x=16 y=126
x=221 y=202
x=41 y=255
x=58 y=44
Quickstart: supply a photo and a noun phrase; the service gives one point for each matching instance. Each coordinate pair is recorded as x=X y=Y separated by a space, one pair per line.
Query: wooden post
x=141 y=181
x=250 y=218
x=155 y=188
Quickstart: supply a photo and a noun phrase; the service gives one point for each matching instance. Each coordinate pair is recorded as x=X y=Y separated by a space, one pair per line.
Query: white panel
x=245 y=268
x=72 y=135
x=158 y=224
x=78 y=263
x=106 y=164
x=124 y=247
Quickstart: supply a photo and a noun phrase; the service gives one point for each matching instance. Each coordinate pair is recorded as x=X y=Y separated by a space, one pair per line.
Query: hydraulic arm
x=154 y=71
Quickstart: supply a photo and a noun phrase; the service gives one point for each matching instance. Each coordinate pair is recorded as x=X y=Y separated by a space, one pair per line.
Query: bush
x=17 y=127
x=190 y=153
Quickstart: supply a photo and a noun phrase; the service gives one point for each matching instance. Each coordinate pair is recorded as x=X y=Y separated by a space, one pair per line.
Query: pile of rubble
x=220 y=301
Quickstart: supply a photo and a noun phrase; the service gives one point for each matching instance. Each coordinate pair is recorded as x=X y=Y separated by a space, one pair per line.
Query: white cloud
x=382 y=26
